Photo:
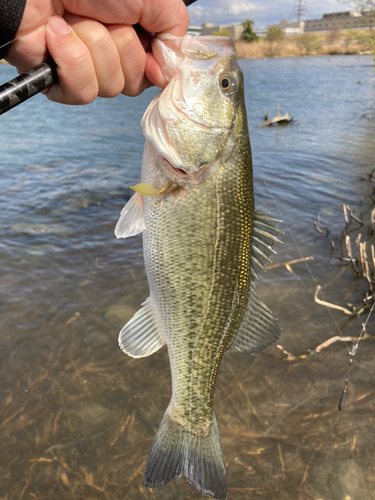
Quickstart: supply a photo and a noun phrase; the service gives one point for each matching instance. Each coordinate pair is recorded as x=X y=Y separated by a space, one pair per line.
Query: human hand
x=94 y=44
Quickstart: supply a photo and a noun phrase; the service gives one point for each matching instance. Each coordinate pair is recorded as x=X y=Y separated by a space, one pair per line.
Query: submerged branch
x=290 y=262
x=332 y=306
x=337 y=338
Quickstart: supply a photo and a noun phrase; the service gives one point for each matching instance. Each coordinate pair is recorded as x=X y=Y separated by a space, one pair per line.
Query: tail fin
x=176 y=453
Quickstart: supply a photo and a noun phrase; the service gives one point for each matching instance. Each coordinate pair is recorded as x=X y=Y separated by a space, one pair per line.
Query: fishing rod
x=21 y=88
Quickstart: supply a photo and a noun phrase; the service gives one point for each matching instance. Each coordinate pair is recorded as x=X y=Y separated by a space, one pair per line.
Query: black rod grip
x=26 y=85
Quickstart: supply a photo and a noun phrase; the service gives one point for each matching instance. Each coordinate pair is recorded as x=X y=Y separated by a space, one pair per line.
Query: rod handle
x=26 y=85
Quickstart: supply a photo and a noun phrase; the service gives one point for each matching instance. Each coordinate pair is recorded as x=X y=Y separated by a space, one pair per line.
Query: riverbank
x=310 y=44
x=350 y=42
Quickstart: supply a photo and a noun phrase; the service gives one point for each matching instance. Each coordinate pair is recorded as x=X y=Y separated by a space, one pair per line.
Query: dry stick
x=305 y=474
x=281 y=459
x=362 y=249
x=328 y=304
x=290 y=262
x=349 y=252
x=318 y=228
x=373 y=218
x=337 y=338
x=277 y=119
x=354 y=217
x=367 y=268
x=344 y=207
x=358 y=239
x=334 y=339
x=348 y=210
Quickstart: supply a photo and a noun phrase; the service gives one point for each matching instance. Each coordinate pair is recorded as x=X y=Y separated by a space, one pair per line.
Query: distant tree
x=274 y=34
x=309 y=42
x=223 y=32
x=248 y=33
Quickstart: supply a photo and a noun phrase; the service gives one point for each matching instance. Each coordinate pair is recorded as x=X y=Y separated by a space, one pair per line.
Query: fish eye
x=227 y=84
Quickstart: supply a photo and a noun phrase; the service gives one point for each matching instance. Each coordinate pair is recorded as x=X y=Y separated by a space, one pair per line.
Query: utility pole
x=299 y=10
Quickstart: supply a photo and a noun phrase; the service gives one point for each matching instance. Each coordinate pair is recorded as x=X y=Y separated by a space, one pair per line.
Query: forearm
x=11 y=12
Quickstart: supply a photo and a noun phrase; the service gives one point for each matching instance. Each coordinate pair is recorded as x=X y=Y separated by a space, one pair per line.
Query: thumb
x=75 y=68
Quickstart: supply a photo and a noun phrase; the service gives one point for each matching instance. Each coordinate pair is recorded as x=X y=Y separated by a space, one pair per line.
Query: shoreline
x=308 y=44
x=306 y=55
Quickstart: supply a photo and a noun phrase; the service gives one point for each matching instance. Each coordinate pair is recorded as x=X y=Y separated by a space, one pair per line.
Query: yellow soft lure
x=150 y=190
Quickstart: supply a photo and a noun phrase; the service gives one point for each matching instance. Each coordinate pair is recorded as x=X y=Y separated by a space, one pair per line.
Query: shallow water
x=77 y=417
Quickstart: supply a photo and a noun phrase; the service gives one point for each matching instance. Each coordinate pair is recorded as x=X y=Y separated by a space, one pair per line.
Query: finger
x=75 y=69
x=132 y=56
x=29 y=47
x=154 y=15
x=165 y=16
x=28 y=51
x=153 y=72
x=103 y=53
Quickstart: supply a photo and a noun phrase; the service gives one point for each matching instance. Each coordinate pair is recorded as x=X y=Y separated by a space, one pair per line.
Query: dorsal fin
x=264 y=236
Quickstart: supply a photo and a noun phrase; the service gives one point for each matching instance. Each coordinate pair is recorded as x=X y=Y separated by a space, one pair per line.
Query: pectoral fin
x=131 y=221
x=141 y=336
x=259 y=328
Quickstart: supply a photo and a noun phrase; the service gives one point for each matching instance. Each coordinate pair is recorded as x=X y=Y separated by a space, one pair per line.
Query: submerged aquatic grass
x=84 y=427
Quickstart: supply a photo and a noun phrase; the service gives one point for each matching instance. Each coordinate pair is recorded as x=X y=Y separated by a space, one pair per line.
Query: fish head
x=196 y=120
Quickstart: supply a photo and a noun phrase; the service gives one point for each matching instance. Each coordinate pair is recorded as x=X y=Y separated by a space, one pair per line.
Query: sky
x=263 y=12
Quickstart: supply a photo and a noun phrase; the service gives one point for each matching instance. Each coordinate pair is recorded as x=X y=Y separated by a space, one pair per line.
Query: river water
x=77 y=416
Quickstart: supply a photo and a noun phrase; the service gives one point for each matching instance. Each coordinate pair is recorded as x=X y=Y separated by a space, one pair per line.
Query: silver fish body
x=201 y=238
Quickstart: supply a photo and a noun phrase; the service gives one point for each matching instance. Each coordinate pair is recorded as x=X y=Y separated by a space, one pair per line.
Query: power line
x=300 y=10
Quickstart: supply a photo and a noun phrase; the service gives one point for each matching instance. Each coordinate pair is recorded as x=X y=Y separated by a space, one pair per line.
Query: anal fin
x=141 y=335
x=259 y=328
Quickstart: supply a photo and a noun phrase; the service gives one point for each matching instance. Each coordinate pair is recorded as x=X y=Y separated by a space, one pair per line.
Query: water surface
x=77 y=417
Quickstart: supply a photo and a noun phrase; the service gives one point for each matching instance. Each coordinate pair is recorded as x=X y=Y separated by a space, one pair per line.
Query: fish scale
x=194 y=287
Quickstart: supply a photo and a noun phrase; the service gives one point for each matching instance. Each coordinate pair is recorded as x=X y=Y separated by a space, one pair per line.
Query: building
x=288 y=28
x=341 y=20
x=261 y=32
x=234 y=29
x=194 y=30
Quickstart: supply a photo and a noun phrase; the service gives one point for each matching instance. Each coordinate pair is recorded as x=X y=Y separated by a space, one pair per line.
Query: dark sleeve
x=11 y=12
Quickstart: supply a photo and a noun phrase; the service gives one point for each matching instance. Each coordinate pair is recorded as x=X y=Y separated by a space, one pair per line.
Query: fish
x=203 y=245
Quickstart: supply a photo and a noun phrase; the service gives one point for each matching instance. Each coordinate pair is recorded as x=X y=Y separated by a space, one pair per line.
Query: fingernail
x=59 y=26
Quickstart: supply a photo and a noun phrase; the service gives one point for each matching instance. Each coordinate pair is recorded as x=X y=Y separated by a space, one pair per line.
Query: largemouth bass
x=202 y=239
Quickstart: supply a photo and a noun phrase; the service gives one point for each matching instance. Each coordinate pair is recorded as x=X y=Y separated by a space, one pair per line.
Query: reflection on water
x=77 y=416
